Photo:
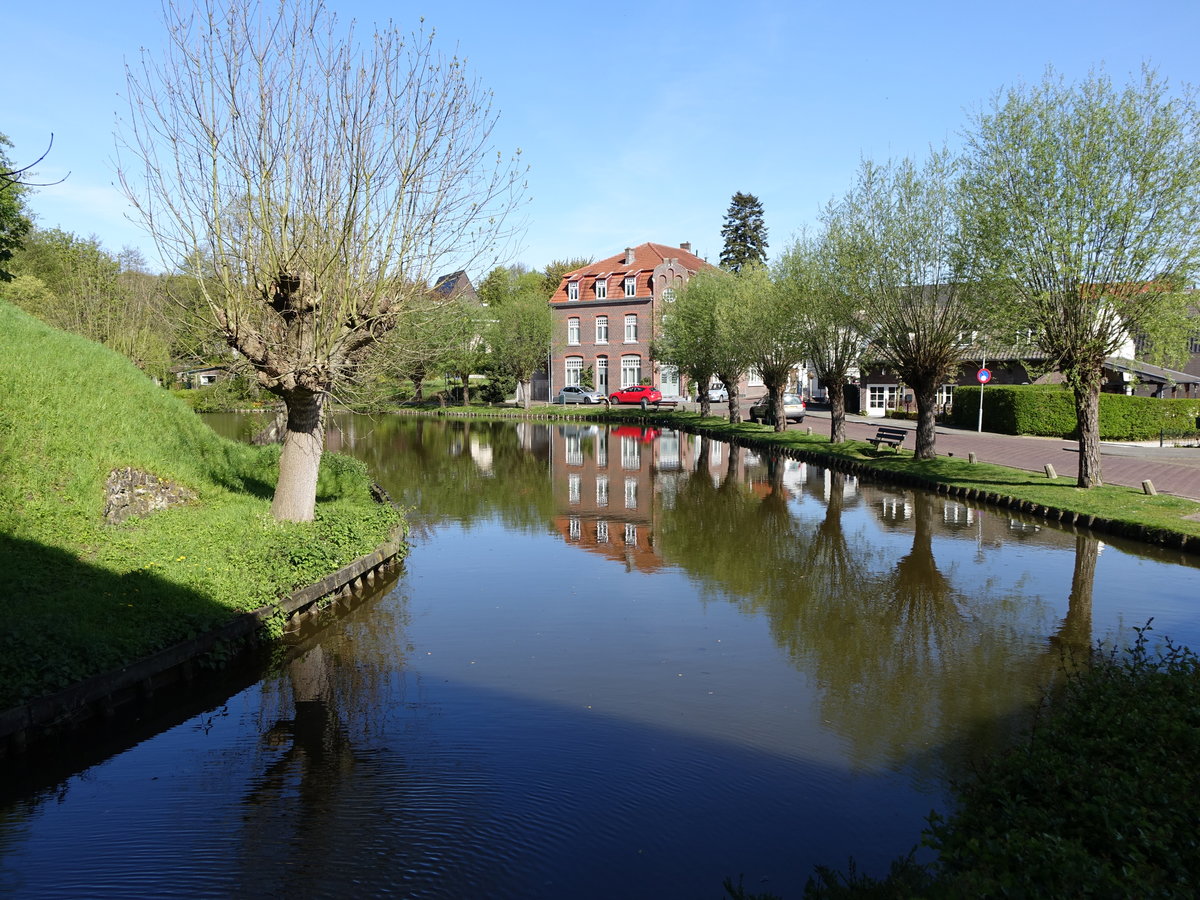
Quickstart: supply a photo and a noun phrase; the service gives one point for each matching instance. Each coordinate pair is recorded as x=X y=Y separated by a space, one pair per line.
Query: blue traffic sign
x=984 y=376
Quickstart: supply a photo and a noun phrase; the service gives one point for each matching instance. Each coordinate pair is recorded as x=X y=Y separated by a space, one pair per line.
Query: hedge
x=1049 y=411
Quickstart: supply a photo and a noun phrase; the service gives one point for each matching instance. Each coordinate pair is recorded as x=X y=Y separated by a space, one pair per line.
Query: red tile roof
x=646 y=257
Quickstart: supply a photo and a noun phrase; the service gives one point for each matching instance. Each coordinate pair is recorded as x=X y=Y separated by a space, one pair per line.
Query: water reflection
x=620 y=662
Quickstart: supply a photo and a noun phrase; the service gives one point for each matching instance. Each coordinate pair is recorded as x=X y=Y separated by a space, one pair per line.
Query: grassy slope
x=80 y=596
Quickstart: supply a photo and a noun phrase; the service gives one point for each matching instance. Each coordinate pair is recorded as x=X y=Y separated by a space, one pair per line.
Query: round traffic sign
x=984 y=376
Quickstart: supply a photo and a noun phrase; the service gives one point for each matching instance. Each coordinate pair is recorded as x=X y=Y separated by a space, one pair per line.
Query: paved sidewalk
x=1172 y=470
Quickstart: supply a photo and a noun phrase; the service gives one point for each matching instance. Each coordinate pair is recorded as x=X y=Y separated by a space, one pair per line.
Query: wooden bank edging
x=101 y=695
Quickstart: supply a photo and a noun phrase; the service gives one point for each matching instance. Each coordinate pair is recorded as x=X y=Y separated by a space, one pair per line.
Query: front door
x=668 y=381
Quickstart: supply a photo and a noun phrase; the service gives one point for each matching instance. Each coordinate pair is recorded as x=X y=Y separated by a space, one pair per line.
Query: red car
x=639 y=393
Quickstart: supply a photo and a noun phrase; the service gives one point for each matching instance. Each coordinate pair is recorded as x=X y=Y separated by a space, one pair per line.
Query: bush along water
x=1101 y=799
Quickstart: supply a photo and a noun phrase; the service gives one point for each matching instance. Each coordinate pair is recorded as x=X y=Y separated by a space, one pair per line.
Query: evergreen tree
x=744 y=232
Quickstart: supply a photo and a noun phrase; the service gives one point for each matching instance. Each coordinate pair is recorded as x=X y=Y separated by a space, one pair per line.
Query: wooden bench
x=660 y=404
x=893 y=437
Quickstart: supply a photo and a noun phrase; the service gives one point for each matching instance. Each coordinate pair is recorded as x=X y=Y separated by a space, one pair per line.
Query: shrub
x=1049 y=411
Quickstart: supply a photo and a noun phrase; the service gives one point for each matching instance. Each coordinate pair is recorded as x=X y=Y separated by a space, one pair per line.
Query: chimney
x=686 y=245
x=629 y=256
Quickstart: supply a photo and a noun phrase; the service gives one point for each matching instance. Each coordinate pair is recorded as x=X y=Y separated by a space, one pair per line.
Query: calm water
x=618 y=663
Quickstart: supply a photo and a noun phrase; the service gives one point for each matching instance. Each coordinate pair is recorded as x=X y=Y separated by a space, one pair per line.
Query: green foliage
x=556 y=269
x=1103 y=797
x=744 y=233
x=14 y=217
x=1049 y=411
x=227 y=394
x=84 y=596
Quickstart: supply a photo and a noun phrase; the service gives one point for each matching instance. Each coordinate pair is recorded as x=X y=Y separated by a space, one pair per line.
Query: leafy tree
x=744 y=232
x=520 y=337
x=462 y=326
x=705 y=334
x=1081 y=197
x=901 y=255
x=505 y=282
x=323 y=178
x=14 y=217
x=824 y=310
x=773 y=332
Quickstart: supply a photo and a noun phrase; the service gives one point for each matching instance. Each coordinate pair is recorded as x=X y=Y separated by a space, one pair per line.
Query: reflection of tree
x=432 y=466
x=1075 y=634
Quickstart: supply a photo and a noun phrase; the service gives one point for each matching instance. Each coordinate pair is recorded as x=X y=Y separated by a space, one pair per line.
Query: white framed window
x=631 y=371
x=601 y=288
x=601 y=532
x=576 y=528
x=754 y=377
x=602 y=374
x=630 y=533
x=631 y=328
x=602 y=453
x=881 y=397
x=668 y=295
x=572 y=290
x=574 y=481
x=602 y=490
x=601 y=329
x=573 y=371
x=945 y=393
x=630 y=286
x=631 y=493
x=631 y=453
x=574 y=450
x=573 y=331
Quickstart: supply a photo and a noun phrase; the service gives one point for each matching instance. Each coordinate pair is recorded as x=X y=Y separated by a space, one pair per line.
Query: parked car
x=573 y=393
x=793 y=409
x=638 y=393
x=717 y=393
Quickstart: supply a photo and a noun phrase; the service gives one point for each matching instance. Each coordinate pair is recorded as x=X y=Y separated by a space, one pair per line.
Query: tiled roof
x=646 y=257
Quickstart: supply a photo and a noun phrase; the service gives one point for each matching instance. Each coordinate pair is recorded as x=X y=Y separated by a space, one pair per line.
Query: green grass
x=81 y=596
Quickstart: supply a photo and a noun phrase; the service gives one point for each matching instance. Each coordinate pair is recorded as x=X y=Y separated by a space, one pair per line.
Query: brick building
x=606 y=314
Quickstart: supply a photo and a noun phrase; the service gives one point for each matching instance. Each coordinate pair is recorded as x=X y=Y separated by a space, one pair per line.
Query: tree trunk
x=299 y=462
x=735 y=401
x=418 y=388
x=525 y=389
x=926 y=394
x=466 y=390
x=1087 y=414
x=837 y=410
x=778 y=418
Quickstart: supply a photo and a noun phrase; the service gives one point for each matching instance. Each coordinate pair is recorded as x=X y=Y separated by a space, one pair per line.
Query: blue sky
x=639 y=121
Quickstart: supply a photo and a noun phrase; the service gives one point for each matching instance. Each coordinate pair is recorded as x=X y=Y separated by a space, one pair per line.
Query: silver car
x=573 y=393
x=793 y=409
x=717 y=393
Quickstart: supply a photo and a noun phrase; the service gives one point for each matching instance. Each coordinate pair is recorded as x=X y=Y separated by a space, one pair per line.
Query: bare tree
x=325 y=178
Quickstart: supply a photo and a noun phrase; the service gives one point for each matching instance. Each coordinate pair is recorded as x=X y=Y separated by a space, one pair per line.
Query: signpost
x=984 y=375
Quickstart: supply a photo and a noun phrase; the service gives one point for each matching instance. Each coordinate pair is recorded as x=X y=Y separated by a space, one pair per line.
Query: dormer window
x=601 y=288
x=572 y=290
x=630 y=286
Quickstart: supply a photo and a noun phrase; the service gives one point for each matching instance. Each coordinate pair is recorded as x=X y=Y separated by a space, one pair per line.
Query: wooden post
x=1148 y=487
x=1050 y=473
x=972 y=458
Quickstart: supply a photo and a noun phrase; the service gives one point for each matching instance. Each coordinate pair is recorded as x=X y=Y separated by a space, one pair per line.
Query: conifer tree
x=744 y=232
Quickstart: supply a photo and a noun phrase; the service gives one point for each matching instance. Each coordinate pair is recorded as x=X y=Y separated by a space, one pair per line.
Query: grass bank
x=82 y=597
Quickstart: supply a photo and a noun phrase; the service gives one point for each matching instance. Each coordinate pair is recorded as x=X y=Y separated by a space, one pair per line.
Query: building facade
x=606 y=314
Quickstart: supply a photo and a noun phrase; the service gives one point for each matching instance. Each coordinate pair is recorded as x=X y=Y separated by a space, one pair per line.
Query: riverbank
x=83 y=433
x=1122 y=510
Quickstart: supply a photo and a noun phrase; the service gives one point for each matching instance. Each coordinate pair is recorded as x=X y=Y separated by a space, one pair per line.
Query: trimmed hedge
x=1049 y=411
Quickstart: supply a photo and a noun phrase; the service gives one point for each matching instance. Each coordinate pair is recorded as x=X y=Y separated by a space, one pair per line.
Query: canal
x=619 y=662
